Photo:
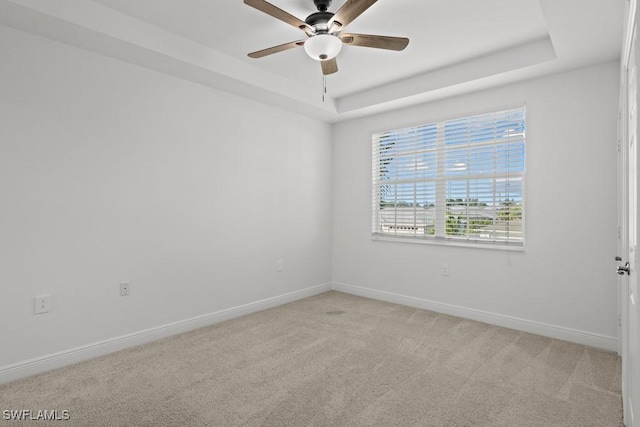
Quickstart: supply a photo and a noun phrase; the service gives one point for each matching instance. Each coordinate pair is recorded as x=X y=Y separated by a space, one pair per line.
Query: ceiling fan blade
x=329 y=66
x=275 y=49
x=379 y=42
x=276 y=12
x=350 y=11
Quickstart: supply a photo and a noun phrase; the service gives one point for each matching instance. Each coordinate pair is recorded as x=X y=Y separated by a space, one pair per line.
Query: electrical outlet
x=42 y=304
x=279 y=267
x=445 y=269
x=125 y=288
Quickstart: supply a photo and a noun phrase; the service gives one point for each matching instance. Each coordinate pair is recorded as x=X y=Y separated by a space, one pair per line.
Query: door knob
x=623 y=270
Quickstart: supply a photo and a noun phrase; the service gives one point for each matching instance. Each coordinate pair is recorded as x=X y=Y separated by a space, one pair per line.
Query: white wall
x=565 y=277
x=110 y=172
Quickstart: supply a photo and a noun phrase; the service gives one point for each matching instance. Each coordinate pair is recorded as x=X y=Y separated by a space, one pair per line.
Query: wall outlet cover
x=42 y=304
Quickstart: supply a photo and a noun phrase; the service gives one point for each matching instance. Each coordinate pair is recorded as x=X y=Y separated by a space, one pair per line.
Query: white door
x=633 y=329
x=623 y=237
x=629 y=306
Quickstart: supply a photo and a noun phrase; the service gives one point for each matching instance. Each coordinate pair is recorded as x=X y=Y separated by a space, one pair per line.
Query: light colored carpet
x=335 y=360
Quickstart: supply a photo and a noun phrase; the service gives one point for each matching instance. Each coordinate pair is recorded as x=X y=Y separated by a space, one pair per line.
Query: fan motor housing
x=319 y=21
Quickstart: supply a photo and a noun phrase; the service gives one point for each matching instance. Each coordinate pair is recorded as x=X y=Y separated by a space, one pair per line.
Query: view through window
x=458 y=180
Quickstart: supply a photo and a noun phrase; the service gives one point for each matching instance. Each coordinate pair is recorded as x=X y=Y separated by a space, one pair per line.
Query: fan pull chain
x=324 y=86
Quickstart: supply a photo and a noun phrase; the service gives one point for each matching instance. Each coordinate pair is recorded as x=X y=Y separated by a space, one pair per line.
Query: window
x=460 y=180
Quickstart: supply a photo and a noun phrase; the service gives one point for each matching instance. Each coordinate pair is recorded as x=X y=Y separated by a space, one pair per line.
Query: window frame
x=441 y=204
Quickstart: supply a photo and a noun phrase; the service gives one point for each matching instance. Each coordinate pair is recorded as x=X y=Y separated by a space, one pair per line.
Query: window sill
x=451 y=243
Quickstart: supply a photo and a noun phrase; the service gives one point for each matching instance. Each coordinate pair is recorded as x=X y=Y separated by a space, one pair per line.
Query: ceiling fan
x=324 y=31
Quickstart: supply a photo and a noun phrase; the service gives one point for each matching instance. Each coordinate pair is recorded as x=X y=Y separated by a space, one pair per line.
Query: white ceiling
x=456 y=45
x=442 y=32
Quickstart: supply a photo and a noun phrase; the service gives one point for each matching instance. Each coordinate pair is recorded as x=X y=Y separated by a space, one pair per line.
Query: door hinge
x=619 y=321
x=619 y=232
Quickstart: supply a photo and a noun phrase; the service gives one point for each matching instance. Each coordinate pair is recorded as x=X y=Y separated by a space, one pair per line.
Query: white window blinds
x=461 y=179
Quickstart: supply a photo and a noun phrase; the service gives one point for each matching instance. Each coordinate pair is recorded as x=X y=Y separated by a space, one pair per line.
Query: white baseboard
x=68 y=357
x=538 y=328
x=37 y=365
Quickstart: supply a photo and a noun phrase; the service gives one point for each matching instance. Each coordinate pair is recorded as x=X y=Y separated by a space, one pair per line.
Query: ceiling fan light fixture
x=323 y=47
